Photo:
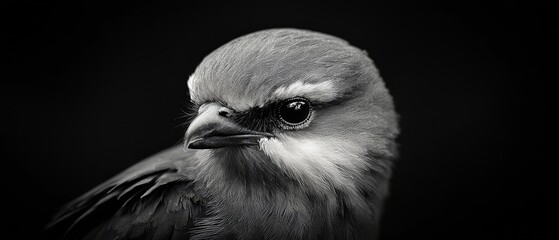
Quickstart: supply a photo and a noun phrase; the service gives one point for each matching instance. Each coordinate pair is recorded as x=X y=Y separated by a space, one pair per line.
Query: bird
x=292 y=136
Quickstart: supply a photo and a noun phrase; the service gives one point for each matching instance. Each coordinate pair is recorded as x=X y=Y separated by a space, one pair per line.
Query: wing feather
x=154 y=199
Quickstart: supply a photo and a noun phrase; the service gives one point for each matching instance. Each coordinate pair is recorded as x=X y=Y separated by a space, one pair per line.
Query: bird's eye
x=294 y=112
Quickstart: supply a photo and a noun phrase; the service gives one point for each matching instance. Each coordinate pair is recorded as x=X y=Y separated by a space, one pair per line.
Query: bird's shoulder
x=154 y=199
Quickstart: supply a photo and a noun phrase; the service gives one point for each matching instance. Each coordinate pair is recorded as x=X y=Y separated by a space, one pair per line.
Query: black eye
x=294 y=112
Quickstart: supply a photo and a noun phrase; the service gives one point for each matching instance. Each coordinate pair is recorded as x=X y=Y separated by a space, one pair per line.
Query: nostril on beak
x=225 y=112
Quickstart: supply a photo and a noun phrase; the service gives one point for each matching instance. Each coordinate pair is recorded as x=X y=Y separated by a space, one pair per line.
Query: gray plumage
x=325 y=178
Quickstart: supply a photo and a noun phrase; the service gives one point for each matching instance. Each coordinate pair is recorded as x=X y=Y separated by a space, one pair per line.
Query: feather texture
x=153 y=200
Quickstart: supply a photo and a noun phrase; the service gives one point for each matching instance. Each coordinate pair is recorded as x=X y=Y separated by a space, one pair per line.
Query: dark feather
x=154 y=199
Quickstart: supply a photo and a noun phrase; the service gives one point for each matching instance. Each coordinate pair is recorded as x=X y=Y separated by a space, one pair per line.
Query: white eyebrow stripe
x=321 y=92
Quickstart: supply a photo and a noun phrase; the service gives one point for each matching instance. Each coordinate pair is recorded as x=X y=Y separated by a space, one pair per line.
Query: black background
x=89 y=88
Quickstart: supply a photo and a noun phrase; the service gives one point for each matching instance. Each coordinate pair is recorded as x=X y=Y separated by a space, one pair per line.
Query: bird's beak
x=213 y=129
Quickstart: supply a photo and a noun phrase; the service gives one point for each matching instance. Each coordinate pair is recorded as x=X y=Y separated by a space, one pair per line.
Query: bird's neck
x=242 y=186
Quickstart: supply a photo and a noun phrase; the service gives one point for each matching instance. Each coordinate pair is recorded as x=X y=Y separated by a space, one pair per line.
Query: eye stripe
x=267 y=118
x=258 y=118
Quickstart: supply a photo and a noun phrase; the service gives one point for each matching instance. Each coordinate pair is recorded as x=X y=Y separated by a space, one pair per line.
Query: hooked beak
x=213 y=129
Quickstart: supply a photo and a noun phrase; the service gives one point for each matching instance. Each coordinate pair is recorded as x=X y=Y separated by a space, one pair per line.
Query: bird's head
x=290 y=104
